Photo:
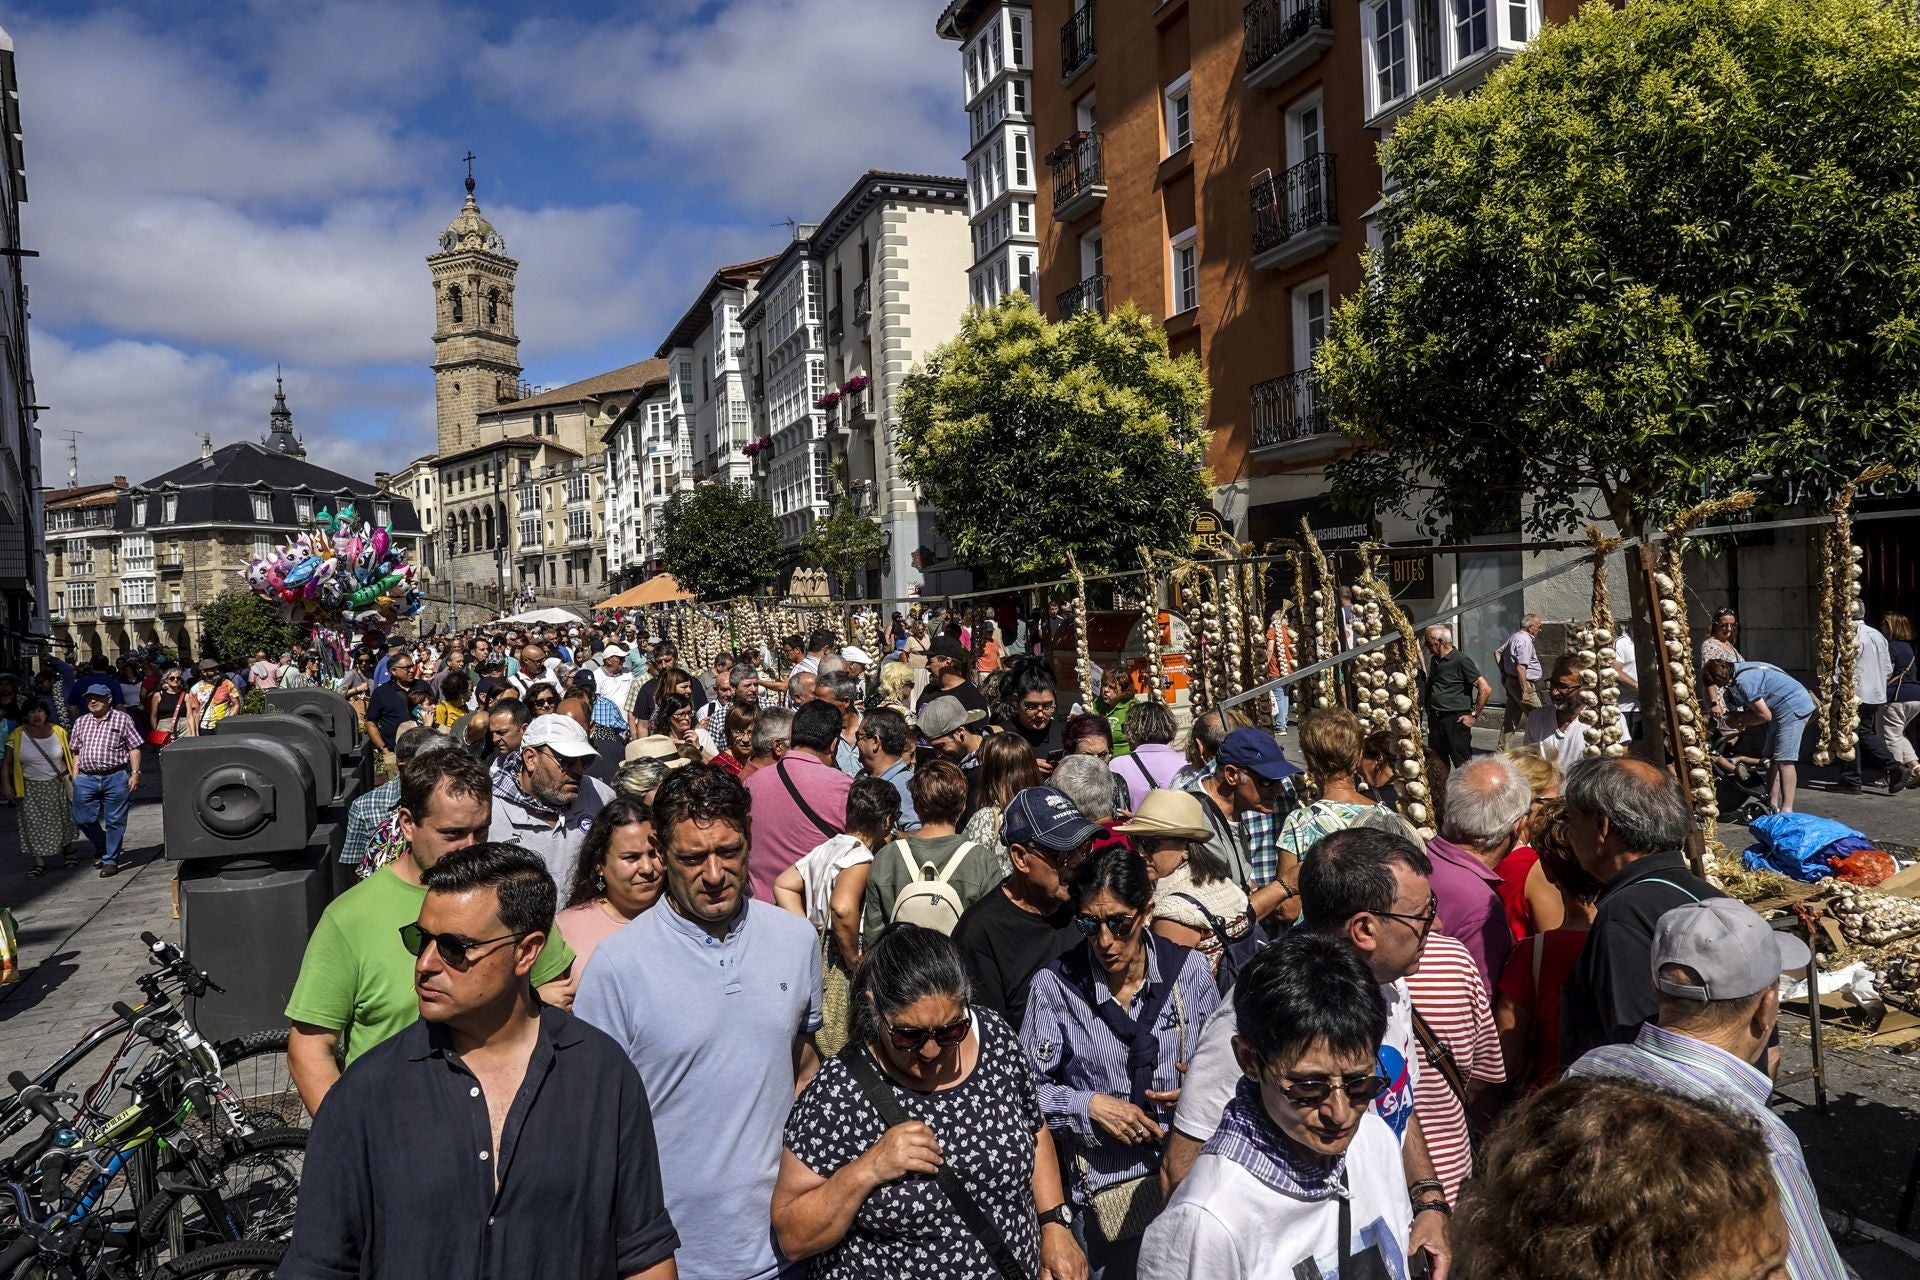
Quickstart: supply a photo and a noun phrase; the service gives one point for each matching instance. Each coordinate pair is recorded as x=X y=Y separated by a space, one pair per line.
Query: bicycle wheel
x=256 y=1068
x=242 y=1260
x=251 y=1198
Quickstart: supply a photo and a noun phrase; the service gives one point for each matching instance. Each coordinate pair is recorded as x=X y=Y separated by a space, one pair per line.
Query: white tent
x=553 y=616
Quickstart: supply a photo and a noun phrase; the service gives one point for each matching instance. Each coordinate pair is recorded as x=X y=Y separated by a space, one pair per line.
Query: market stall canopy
x=553 y=616
x=658 y=589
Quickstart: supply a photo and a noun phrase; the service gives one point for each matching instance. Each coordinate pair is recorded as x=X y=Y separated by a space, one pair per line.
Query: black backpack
x=1235 y=953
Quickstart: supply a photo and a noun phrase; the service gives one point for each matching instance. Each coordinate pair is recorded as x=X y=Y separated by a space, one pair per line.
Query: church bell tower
x=476 y=362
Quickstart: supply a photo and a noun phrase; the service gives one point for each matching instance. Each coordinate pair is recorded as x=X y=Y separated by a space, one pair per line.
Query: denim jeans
x=1279 y=697
x=100 y=811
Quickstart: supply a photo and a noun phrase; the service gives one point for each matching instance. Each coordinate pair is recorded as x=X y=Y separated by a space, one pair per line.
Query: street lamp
x=447 y=565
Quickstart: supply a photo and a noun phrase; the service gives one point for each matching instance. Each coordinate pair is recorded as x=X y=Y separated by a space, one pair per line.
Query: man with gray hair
x=1628 y=824
x=1519 y=664
x=1872 y=673
x=772 y=735
x=1487 y=804
x=1456 y=692
x=839 y=690
x=1087 y=782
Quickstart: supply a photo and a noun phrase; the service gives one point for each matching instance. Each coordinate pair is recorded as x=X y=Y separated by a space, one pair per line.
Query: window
x=139 y=590
x=80 y=595
x=1093 y=256
x=1186 y=272
x=382 y=515
x=262 y=506
x=1023 y=217
x=139 y=511
x=1309 y=322
x=1428 y=46
x=1019 y=41
x=137 y=551
x=458 y=306
x=493 y=306
x=1026 y=274
x=1519 y=21
x=1019 y=91
x=1179 y=113
x=1306 y=131
x=1389 y=51
x=303 y=509
x=1020 y=174
x=1469 y=27
x=262 y=546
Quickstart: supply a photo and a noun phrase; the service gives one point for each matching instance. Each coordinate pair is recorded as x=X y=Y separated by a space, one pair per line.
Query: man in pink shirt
x=798 y=802
x=1487 y=801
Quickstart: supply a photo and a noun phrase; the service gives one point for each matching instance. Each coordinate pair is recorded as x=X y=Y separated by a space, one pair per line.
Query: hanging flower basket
x=828 y=400
x=755 y=447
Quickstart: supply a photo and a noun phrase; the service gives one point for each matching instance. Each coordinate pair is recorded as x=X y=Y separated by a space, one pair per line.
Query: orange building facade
x=1214 y=163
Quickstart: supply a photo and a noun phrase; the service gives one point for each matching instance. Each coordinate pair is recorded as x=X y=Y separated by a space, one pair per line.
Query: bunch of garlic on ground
x=1872 y=919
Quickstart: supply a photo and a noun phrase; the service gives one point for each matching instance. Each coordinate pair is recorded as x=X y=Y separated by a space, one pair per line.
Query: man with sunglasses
x=549 y=802
x=715 y=995
x=355 y=987
x=517 y=1137
x=1026 y=922
x=1373 y=889
x=387 y=708
x=1302 y=1175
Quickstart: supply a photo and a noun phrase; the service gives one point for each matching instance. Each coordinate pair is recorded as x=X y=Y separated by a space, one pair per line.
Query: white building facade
x=708 y=389
x=642 y=473
x=997 y=57
x=787 y=355
x=893 y=257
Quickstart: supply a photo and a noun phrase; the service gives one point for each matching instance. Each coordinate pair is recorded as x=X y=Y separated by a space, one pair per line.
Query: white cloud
x=777 y=103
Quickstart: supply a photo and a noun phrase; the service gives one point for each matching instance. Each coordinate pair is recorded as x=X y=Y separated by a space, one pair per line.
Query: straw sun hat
x=1173 y=814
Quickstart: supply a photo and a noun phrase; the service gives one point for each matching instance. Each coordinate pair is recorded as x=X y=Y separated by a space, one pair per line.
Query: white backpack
x=926 y=899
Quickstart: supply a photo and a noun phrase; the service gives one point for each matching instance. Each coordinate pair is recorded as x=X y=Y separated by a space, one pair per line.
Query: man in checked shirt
x=106 y=762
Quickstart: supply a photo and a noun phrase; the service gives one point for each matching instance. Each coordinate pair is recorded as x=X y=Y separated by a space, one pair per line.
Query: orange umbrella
x=658 y=589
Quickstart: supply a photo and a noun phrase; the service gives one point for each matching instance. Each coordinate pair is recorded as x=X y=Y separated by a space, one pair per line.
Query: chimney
x=206 y=446
x=119 y=482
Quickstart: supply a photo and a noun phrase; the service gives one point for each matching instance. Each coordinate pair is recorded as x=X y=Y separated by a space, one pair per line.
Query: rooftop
x=632 y=377
x=698 y=317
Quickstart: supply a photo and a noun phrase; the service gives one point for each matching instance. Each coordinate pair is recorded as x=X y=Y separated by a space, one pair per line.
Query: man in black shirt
x=1628 y=823
x=558 y=1177
x=387 y=709
x=1031 y=697
x=1027 y=920
x=947 y=666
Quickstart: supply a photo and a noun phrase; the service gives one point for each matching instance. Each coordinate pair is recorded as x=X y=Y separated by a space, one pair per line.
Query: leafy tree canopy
x=843 y=544
x=236 y=624
x=1034 y=439
x=1670 y=248
x=719 y=540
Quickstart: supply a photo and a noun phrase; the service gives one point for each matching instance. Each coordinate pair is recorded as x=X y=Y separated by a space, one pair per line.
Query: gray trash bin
x=245 y=921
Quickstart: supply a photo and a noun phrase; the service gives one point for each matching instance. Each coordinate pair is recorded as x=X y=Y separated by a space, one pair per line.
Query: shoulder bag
x=59 y=766
x=826 y=828
x=1441 y=1059
x=1235 y=953
x=860 y=1065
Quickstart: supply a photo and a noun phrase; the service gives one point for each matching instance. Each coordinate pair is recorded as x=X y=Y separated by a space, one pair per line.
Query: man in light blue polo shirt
x=716 y=998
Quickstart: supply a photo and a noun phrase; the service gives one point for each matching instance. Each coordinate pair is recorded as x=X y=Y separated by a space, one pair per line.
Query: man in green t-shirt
x=1456 y=691
x=356 y=980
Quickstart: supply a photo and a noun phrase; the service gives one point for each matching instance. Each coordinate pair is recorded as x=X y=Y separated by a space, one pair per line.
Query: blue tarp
x=1797 y=845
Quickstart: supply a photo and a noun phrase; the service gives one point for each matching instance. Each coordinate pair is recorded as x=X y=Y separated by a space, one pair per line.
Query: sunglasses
x=1120 y=926
x=455 y=951
x=548 y=701
x=909 y=1039
x=1312 y=1091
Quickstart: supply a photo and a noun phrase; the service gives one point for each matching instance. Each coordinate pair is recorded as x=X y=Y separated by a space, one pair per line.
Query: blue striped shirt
x=1075 y=1056
x=1695 y=1069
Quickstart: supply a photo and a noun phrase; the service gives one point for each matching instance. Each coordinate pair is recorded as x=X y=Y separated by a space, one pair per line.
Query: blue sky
x=215 y=188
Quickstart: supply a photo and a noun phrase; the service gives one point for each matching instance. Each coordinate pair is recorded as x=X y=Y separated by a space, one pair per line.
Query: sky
x=215 y=189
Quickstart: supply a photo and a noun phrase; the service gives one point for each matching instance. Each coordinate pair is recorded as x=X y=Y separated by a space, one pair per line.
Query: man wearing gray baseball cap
x=1716 y=971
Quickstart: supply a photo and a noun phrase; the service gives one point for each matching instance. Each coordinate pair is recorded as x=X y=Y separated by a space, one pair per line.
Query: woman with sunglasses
x=543 y=699
x=927 y=1083
x=619 y=875
x=1109 y=1026
x=1302 y=1174
x=167 y=710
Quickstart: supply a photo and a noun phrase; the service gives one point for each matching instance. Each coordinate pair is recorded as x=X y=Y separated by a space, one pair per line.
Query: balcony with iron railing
x=1076 y=42
x=173 y=609
x=1293 y=213
x=862 y=301
x=1287 y=410
x=1079 y=176
x=1283 y=37
x=172 y=564
x=1089 y=295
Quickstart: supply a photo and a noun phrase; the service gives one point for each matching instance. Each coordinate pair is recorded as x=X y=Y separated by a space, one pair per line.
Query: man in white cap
x=616 y=682
x=1716 y=969
x=548 y=802
x=859 y=663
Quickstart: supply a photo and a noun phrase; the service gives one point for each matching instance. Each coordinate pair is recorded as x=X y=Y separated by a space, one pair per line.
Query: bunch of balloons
x=337 y=574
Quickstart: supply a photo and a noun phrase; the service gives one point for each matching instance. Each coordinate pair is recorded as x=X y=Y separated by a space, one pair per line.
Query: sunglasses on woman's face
x=546 y=702
x=1313 y=1091
x=909 y=1039
x=1119 y=926
x=455 y=951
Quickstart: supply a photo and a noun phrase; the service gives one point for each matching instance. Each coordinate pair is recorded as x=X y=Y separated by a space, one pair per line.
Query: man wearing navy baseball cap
x=1027 y=921
x=1246 y=778
x=1716 y=969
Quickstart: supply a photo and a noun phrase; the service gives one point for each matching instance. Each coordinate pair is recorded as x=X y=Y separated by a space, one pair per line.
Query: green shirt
x=357 y=978
x=1451 y=682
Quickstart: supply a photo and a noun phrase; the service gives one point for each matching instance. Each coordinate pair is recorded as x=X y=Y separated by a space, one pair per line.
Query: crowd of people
x=838 y=964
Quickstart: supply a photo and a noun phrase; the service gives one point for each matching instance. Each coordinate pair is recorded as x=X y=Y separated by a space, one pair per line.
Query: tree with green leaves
x=236 y=624
x=719 y=540
x=843 y=544
x=1034 y=439
x=1669 y=249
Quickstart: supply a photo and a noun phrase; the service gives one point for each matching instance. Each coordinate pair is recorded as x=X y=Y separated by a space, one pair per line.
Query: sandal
x=37 y=870
x=70 y=860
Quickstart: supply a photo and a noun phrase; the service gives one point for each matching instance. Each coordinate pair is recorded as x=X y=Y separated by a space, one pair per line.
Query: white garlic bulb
x=1417 y=814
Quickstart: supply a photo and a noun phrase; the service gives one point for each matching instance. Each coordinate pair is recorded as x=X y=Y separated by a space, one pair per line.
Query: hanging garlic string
x=1687 y=740
x=1150 y=632
x=1082 y=655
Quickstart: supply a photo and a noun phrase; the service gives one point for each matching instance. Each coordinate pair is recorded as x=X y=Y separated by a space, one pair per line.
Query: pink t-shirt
x=782 y=833
x=585 y=927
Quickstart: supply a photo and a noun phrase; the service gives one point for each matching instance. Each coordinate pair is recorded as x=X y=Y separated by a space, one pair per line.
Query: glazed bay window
x=262 y=506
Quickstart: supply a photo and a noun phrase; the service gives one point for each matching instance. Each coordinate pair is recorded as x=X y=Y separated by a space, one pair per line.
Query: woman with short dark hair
x=620 y=874
x=927 y=1083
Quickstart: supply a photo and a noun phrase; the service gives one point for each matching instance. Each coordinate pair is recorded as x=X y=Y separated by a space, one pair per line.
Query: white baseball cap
x=612 y=651
x=853 y=653
x=562 y=734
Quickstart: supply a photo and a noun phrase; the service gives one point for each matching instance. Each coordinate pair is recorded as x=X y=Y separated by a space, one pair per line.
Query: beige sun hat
x=1175 y=814
x=655 y=746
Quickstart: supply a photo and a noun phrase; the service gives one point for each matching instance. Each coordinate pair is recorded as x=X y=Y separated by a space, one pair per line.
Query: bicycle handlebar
x=34 y=1098
x=18 y=1252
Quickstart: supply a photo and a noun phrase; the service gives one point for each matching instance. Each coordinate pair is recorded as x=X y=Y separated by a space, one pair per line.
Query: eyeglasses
x=1313 y=1091
x=1120 y=926
x=455 y=951
x=1425 y=919
x=909 y=1039
x=1048 y=705
x=569 y=764
x=547 y=701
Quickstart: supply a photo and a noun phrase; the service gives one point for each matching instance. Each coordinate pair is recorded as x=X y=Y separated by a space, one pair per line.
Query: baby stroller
x=1739 y=781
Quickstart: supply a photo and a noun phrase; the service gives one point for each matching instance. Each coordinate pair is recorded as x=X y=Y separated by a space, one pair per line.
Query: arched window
x=455 y=302
x=493 y=306
x=489 y=524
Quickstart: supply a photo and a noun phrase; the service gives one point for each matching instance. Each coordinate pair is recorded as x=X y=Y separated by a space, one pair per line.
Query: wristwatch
x=1060 y=1215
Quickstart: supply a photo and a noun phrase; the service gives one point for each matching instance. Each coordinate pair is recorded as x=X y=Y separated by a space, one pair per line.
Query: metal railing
x=1296 y=200
x=1089 y=295
x=1076 y=41
x=862 y=301
x=172 y=564
x=1077 y=167
x=1286 y=409
x=1273 y=25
